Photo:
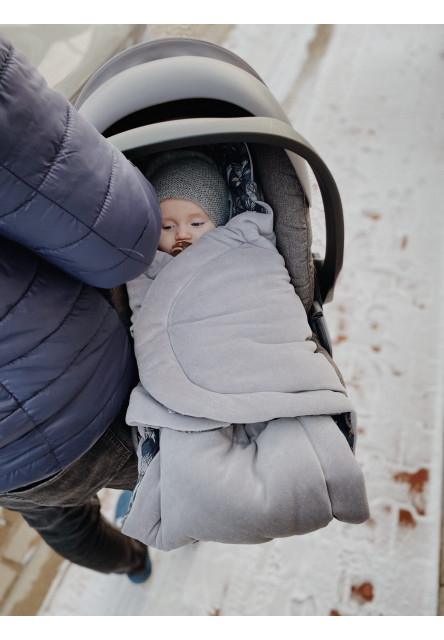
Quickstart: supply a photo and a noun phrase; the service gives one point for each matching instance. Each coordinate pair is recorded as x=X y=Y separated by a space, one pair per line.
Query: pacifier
x=179 y=247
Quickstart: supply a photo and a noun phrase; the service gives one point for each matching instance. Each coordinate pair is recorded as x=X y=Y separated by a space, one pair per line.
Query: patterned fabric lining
x=234 y=161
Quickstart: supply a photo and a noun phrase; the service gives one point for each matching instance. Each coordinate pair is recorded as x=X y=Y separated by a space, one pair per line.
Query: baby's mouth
x=179 y=247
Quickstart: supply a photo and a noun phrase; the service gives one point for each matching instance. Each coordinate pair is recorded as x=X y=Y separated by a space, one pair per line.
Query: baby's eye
x=196 y=224
x=167 y=227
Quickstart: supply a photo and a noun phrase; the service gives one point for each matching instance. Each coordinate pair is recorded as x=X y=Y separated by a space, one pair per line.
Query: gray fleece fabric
x=230 y=376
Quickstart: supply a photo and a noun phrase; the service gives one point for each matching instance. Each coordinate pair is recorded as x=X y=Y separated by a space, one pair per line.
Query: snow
x=369 y=98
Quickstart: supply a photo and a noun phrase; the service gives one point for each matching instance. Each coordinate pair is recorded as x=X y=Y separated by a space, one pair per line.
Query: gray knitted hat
x=191 y=175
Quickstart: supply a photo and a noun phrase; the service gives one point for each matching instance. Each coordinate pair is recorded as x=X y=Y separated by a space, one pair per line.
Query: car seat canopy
x=179 y=92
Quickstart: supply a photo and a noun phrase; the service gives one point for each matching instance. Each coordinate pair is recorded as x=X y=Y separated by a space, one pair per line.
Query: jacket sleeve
x=66 y=193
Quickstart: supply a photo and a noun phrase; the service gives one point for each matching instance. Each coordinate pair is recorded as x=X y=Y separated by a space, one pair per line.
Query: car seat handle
x=174 y=134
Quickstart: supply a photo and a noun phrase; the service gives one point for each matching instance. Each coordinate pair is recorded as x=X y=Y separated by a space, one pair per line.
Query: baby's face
x=182 y=221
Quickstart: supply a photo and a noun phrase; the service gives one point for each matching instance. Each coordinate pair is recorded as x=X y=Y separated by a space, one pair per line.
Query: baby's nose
x=182 y=233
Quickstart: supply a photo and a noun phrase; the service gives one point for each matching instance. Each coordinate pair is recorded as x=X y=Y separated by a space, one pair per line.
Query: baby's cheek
x=164 y=243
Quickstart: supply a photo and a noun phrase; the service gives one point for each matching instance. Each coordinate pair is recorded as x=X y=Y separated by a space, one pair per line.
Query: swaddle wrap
x=230 y=375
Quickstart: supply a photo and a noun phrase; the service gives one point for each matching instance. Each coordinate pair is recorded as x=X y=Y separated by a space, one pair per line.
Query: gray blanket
x=243 y=400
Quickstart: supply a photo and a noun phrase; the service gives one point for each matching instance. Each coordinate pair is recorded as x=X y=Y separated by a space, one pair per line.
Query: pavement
x=369 y=98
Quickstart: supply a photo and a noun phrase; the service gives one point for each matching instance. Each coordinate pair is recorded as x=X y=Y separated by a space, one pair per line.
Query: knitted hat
x=191 y=175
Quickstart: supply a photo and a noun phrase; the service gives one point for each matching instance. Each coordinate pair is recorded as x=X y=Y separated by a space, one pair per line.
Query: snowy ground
x=370 y=100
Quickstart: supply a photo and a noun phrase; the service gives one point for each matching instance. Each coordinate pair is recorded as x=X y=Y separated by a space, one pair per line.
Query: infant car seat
x=181 y=92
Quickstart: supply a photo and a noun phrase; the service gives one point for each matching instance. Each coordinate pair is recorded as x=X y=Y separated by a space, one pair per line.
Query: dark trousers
x=65 y=509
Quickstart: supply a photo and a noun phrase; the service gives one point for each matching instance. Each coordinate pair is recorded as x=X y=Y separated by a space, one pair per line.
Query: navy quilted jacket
x=74 y=215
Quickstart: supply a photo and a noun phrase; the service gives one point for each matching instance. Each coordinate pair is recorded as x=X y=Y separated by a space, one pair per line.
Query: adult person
x=76 y=221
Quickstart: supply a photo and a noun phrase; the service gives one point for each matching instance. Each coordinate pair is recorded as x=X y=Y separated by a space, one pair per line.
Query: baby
x=234 y=402
x=194 y=198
